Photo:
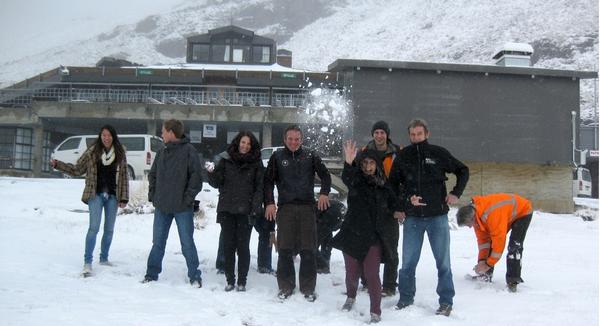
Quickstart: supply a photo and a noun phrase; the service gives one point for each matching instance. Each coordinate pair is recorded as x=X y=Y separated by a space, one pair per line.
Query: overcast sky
x=21 y=21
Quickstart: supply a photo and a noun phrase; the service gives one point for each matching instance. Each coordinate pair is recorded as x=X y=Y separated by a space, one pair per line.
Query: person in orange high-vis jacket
x=492 y=217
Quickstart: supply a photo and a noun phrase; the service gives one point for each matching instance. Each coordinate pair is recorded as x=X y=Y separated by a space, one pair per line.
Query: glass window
x=261 y=54
x=265 y=154
x=156 y=145
x=200 y=52
x=7 y=146
x=585 y=174
x=89 y=141
x=47 y=151
x=220 y=53
x=70 y=144
x=240 y=53
x=23 y=149
x=133 y=143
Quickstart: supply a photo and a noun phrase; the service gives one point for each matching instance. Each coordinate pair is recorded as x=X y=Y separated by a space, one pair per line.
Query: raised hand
x=350 y=151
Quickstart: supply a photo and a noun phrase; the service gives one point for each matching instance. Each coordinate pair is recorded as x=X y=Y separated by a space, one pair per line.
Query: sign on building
x=196 y=136
x=210 y=131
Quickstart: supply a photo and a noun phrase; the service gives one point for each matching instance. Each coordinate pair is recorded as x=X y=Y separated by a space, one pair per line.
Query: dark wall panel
x=493 y=118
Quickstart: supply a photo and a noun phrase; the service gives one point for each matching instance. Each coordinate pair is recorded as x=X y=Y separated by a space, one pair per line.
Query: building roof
x=350 y=64
x=231 y=67
x=205 y=38
x=511 y=47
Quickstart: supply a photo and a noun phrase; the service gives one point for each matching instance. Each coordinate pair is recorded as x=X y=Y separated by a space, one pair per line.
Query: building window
x=200 y=52
x=7 y=147
x=220 y=53
x=261 y=54
x=23 y=149
x=240 y=53
x=47 y=152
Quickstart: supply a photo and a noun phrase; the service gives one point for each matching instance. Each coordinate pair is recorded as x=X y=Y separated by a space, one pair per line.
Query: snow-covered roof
x=232 y=67
x=514 y=47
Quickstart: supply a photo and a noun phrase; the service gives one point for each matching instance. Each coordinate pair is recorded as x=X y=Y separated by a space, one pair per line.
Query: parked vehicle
x=141 y=151
x=266 y=152
x=582 y=182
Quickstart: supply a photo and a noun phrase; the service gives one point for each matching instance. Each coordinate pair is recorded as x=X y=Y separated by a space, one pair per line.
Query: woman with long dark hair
x=238 y=176
x=106 y=187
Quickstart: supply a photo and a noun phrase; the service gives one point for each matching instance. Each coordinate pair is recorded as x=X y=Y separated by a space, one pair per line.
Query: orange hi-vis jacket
x=494 y=214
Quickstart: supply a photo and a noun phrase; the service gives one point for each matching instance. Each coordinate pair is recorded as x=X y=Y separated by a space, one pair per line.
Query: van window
x=156 y=145
x=133 y=143
x=574 y=174
x=90 y=141
x=265 y=154
x=585 y=174
x=70 y=144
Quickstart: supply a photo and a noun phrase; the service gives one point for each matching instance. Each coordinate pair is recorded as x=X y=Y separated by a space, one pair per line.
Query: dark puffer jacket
x=420 y=169
x=370 y=214
x=175 y=179
x=240 y=185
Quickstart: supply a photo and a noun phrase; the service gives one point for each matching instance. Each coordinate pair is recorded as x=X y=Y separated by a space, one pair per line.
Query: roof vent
x=514 y=55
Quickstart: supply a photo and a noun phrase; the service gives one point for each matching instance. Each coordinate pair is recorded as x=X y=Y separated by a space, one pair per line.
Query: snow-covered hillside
x=564 y=33
x=42 y=231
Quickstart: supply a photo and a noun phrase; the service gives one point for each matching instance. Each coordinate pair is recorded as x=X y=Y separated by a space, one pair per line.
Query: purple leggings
x=370 y=265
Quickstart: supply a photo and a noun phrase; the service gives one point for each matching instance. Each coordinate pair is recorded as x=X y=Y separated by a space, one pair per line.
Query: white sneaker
x=87 y=270
x=375 y=318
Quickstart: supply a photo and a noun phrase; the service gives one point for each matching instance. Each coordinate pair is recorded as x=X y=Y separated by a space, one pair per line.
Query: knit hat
x=381 y=125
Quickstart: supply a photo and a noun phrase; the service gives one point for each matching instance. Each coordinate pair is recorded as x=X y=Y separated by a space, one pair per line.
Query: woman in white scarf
x=106 y=188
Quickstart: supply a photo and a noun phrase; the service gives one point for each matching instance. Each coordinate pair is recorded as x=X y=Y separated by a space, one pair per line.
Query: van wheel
x=130 y=173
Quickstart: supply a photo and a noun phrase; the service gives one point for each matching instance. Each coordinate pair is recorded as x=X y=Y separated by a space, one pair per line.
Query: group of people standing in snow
x=388 y=186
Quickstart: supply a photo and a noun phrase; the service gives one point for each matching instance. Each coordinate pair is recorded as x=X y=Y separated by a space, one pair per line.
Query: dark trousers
x=323 y=246
x=265 y=249
x=369 y=267
x=220 y=262
x=236 y=238
x=515 y=249
x=390 y=268
x=296 y=226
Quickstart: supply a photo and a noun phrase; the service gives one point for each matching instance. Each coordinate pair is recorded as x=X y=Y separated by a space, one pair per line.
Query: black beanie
x=381 y=125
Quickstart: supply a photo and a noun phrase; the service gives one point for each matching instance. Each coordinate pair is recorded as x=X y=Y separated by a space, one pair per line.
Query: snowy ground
x=42 y=231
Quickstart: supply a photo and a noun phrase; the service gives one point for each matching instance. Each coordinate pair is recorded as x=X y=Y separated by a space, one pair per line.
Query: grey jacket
x=174 y=179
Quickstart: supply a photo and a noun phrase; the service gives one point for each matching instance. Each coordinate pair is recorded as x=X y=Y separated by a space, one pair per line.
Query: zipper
x=419 y=169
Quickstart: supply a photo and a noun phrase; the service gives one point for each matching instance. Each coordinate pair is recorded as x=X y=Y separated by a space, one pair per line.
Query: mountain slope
x=564 y=33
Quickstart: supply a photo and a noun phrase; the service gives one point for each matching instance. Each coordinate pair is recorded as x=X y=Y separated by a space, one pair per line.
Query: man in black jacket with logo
x=418 y=175
x=293 y=170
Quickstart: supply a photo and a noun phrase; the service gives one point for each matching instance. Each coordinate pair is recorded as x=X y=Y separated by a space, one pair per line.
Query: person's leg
x=110 y=217
x=412 y=241
x=438 y=233
x=353 y=271
x=95 y=208
x=243 y=231
x=371 y=268
x=390 y=268
x=263 y=250
x=160 y=233
x=220 y=262
x=185 y=228
x=286 y=273
x=228 y=232
x=515 y=249
x=306 y=219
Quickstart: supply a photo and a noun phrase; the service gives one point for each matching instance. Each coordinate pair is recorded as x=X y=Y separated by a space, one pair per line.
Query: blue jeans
x=96 y=204
x=160 y=233
x=412 y=242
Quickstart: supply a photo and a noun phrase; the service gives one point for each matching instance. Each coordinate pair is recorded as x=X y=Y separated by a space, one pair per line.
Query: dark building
x=514 y=125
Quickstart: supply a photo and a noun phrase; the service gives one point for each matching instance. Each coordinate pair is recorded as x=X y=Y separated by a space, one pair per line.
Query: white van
x=582 y=182
x=265 y=154
x=141 y=151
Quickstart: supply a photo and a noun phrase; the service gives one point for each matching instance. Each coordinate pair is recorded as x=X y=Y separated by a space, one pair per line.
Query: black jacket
x=240 y=185
x=369 y=218
x=294 y=175
x=420 y=169
x=174 y=179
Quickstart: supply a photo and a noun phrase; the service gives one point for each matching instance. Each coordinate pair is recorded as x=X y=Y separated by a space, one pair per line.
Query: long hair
x=234 y=148
x=99 y=147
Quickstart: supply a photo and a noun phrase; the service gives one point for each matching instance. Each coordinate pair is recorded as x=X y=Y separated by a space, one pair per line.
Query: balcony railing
x=184 y=95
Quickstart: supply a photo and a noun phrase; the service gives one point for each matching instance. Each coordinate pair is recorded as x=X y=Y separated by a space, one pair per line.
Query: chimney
x=284 y=58
x=514 y=55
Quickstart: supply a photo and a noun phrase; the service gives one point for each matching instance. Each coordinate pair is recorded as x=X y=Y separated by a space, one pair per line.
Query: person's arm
x=269 y=181
x=123 y=182
x=397 y=183
x=77 y=169
x=216 y=177
x=258 y=195
x=323 y=173
x=194 y=184
x=461 y=172
x=152 y=177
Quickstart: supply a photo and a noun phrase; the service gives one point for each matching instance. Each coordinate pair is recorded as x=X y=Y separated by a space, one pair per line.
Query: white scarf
x=108 y=157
